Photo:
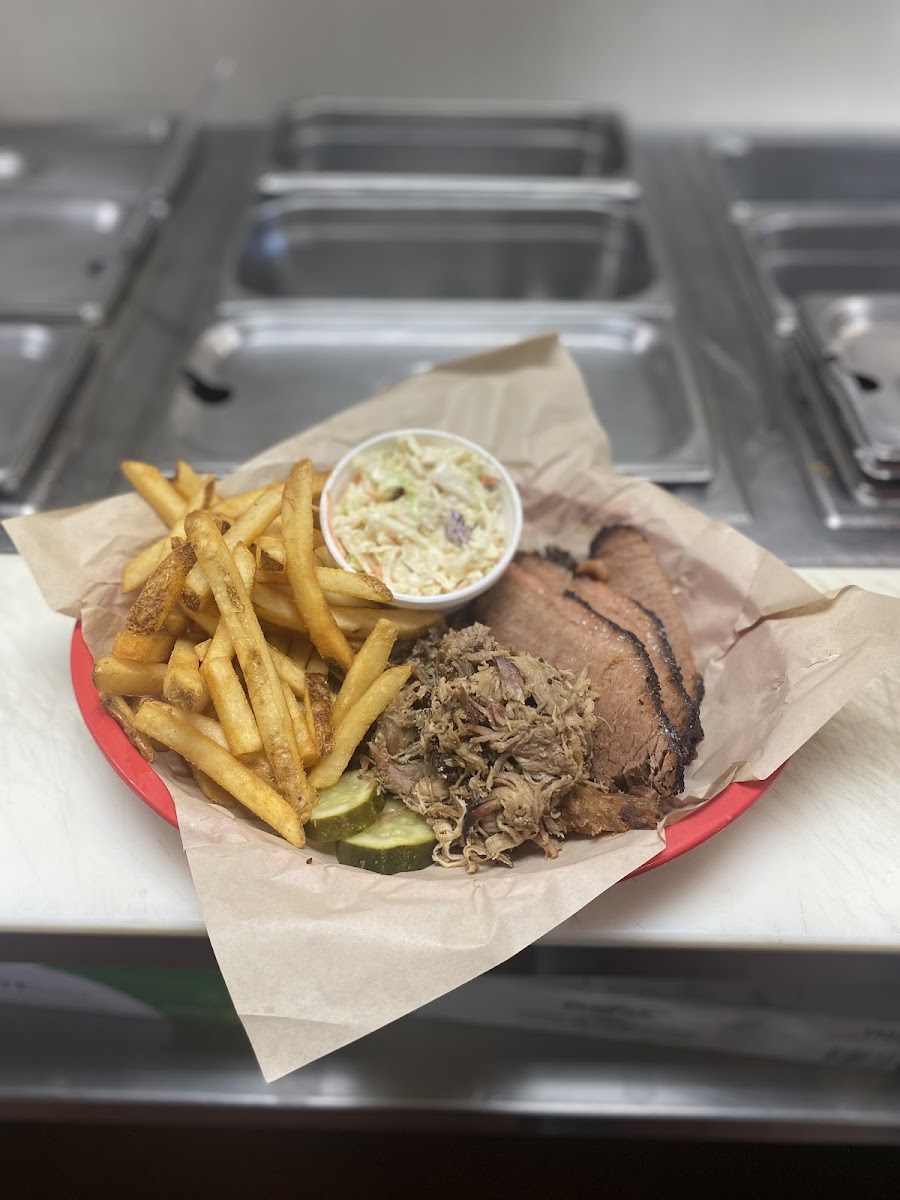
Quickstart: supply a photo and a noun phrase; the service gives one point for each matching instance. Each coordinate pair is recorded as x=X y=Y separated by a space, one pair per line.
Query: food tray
x=65 y=258
x=444 y=139
x=262 y=374
x=425 y=244
x=797 y=254
x=124 y=160
x=39 y=365
x=857 y=340
x=756 y=171
x=683 y=835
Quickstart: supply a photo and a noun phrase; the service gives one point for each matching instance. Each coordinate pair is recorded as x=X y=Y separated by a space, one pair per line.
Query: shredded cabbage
x=425 y=517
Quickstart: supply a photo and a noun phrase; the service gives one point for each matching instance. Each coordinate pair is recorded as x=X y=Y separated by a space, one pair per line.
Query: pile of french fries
x=247 y=650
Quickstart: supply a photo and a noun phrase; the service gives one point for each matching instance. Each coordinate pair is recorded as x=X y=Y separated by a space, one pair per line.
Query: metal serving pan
x=39 y=365
x=124 y=160
x=794 y=254
x=475 y=140
x=856 y=341
x=787 y=171
x=399 y=244
x=261 y=375
x=65 y=258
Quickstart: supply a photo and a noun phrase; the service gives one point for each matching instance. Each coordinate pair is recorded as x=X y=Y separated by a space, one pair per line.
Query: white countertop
x=813 y=864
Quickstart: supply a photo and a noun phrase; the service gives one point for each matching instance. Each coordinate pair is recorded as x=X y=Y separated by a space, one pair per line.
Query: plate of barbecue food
x=364 y=659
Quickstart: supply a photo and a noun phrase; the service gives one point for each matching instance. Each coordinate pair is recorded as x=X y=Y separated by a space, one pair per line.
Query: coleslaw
x=425 y=517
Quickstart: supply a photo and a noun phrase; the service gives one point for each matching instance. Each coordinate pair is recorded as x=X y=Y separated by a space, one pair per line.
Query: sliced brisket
x=635 y=570
x=646 y=627
x=635 y=745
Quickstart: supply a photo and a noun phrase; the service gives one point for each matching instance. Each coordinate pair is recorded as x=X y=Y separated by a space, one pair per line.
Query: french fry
x=151 y=485
x=357 y=720
x=410 y=624
x=137 y=570
x=324 y=557
x=175 y=623
x=231 y=705
x=263 y=685
x=143 y=647
x=212 y=791
x=355 y=584
x=232 y=507
x=169 y=727
x=161 y=592
x=318 y=701
x=319 y=479
x=296 y=520
x=260 y=765
x=123 y=714
x=248 y=526
x=288 y=671
x=125 y=677
x=202 y=648
x=184 y=686
x=305 y=741
x=316 y=664
x=207 y=725
x=277 y=607
x=300 y=651
x=371 y=659
x=206 y=619
x=186 y=480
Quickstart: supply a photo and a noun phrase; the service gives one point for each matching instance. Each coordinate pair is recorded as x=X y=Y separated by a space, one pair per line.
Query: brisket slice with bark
x=635 y=745
x=635 y=571
x=646 y=627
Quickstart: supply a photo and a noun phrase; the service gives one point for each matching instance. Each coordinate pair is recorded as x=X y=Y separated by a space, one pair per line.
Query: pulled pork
x=486 y=745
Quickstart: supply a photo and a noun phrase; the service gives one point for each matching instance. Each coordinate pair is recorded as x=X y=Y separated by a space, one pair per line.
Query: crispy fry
x=371 y=659
x=125 y=677
x=143 y=647
x=316 y=664
x=184 y=686
x=353 y=728
x=277 y=607
x=202 y=648
x=353 y=584
x=305 y=741
x=318 y=701
x=248 y=526
x=263 y=686
x=260 y=765
x=137 y=570
x=206 y=619
x=288 y=671
x=212 y=791
x=166 y=725
x=296 y=520
x=151 y=485
x=232 y=507
x=207 y=725
x=186 y=480
x=410 y=624
x=300 y=651
x=161 y=592
x=231 y=705
x=176 y=623
x=123 y=714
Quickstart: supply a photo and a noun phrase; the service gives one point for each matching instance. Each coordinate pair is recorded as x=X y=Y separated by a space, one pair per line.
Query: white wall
x=808 y=62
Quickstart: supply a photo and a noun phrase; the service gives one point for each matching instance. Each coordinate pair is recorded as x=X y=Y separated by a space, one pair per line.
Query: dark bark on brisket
x=635 y=570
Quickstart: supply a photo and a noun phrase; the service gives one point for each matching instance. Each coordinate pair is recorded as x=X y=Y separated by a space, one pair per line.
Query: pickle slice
x=399 y=840
x=351 y=804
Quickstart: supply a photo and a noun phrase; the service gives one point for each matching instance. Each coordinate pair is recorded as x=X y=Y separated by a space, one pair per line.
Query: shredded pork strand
x=486 y=745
